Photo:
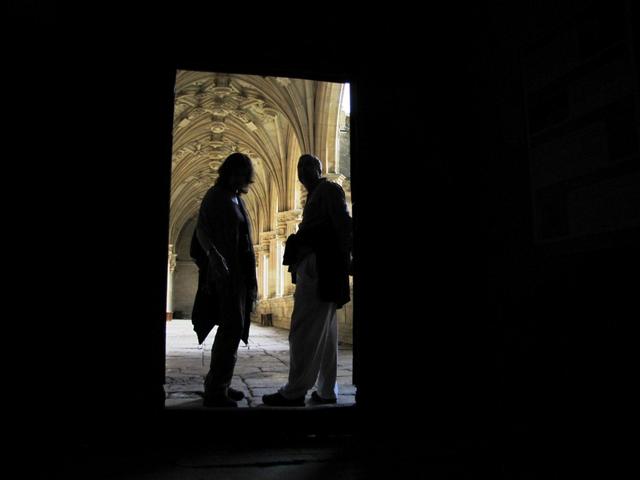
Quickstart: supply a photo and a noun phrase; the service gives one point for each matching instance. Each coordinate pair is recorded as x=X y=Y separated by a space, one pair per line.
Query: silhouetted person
x=318 y=255
x=221 y=247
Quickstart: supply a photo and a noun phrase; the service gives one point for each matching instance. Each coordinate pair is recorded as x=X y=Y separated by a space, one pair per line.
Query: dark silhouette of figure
x=222 y=248
x=318 y=255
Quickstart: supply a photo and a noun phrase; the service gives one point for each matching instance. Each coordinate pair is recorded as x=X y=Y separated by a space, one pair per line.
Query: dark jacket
x=229 y=299
x=325 y=230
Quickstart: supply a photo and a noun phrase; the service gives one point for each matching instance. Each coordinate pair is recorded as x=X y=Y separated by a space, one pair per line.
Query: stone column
x=268 y=243
x=274 y=265
x=171 y=268
x=281 y=231
x=261 y=253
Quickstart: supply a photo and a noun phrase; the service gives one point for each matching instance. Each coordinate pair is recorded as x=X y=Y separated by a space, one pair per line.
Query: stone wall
x=345 y=324
x=185 y=284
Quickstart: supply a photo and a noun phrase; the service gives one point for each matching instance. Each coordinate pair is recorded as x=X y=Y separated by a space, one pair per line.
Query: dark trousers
x=224 y=352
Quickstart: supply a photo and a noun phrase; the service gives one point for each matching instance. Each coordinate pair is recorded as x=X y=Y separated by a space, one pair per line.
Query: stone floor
x=262 y=366
x=186 y=445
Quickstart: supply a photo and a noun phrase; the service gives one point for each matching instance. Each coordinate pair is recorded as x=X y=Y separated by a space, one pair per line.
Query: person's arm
x=217 y=264
x=338 y=214
x=209 y=222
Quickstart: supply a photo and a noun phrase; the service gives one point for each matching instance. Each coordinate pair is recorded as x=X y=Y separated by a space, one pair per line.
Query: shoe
x=324 y=401
x=234 y=394
x=219 y=401
x=277 y=400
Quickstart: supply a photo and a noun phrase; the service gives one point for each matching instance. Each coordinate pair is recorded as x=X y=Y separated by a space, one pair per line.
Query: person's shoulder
x=211 y=190
x=327 y=184
x=217 y=193
x=333 y=187
x=208 y=195
x=214 y=198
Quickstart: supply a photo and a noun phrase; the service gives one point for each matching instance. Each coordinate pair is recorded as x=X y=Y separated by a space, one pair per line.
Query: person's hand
x=217 y=274
x=221 y=271
x=218 y=268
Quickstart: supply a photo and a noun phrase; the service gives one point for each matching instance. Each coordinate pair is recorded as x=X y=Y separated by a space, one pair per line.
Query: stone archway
x=272 y=120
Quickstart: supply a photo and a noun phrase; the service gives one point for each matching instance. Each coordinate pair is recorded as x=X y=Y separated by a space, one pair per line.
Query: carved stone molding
x=249 y=93
x=195 y=113
x=270 y=114
x=171 y=259
x=243 y=148
x=215 y=164
x=217 y=127
x=230 y=103
x=179 y=108
x=241 y=115
x=289 y=216
x=218 y=110
x=337 y=178
x=185 y=122
x=266 y=237
x=260 y=248
x=221 y=91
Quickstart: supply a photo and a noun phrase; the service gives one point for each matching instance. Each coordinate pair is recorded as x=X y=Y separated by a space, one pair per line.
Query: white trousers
x=313 y=338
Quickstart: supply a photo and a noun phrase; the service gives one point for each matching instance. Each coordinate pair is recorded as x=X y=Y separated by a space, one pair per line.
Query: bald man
x=318 y=256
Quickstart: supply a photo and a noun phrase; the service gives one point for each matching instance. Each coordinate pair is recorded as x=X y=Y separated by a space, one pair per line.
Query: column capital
x=337 y=178
x=341 y=180
x=266 y=237
x=288 y=222
x=261 y=248
x=171 y=259
x=289 y=216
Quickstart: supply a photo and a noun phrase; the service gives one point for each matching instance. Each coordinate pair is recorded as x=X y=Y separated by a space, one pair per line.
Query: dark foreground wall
x=495 y=297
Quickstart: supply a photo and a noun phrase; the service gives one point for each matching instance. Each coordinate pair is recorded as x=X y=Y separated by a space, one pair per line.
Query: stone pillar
x=281 y=238
x=268 y=243
x=280 y=269
x=171 y=268
x=274 y=265
x=261 y=252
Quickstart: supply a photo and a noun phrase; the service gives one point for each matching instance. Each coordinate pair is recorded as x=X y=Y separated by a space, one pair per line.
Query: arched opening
x=272 y=120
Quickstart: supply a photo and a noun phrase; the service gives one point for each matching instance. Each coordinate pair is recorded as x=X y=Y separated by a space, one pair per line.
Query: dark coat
x=330 y=247
x=332 y=264
x=230 y=299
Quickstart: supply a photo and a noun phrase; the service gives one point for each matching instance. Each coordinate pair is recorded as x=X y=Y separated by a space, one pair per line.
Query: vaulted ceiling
x=272 y=120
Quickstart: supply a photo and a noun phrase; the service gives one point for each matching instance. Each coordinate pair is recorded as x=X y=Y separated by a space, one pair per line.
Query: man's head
x=309 y=170
x=236 y=173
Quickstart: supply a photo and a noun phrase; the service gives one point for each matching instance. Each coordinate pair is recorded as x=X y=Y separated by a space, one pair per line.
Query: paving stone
x=183 y=402
x=347 y=389
x=189 y=394
x=260 y=369
x=265 y=382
